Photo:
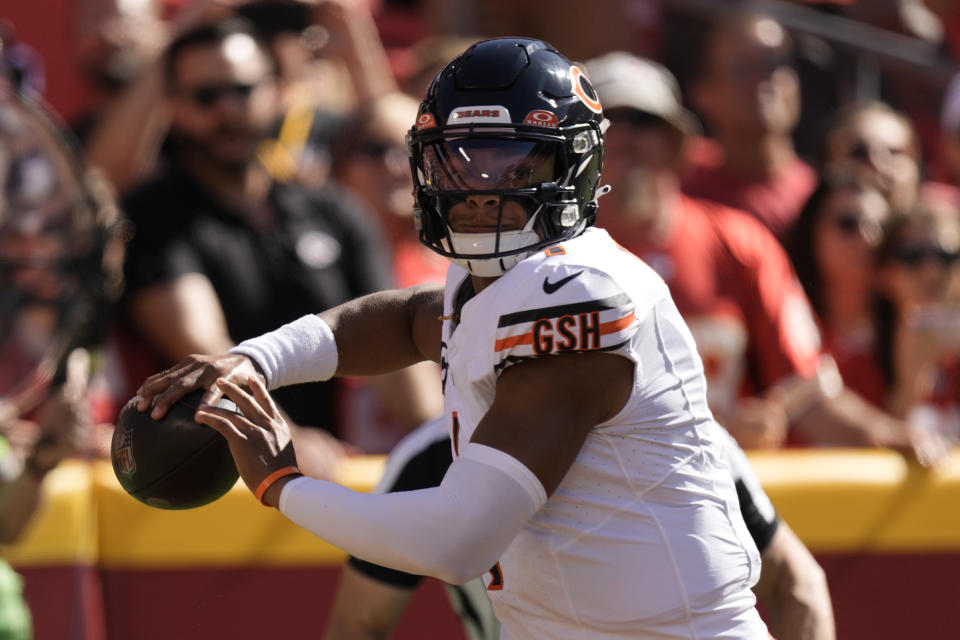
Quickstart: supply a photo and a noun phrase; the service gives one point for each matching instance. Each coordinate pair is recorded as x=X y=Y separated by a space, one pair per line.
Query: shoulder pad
x=563 y=307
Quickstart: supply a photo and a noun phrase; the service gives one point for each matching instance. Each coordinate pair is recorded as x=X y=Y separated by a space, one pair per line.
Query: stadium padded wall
x=100 y=566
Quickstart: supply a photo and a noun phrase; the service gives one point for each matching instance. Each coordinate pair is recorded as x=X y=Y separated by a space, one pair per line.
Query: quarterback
x=587 y=485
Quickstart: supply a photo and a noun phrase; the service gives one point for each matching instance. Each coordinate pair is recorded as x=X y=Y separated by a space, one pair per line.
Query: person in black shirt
x=221 y=251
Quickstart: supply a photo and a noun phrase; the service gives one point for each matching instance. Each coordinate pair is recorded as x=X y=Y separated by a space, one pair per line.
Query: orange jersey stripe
x=512 y=341
x=616 y=325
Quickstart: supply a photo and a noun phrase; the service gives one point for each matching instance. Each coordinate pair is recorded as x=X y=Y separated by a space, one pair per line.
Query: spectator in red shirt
x=833 y=248
x=730 y=278
x=749 y=97
x=919 y=281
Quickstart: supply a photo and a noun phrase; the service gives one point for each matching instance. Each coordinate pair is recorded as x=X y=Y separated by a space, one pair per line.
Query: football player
x=587 y=485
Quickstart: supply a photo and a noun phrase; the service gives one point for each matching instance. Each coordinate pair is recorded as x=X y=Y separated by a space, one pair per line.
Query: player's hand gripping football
x=259 y=438
x=162 y=390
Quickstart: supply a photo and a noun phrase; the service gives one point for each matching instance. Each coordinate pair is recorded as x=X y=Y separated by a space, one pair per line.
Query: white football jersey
x=643 y=538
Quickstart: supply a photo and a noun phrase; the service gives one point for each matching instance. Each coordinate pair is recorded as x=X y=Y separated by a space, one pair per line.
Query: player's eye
x=521 y=173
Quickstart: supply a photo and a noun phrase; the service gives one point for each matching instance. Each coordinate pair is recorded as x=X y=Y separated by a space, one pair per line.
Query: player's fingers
x=209 y=379
x=247 y=404
x=263 y=396
x=163 y=389
x=172 y=394
x=160 y=380
x=223 y=422
x=147 y=390
x=157 y=384
x=212 y=396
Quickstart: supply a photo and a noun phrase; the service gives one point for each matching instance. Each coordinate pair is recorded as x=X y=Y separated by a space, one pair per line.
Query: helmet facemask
x=515 y=169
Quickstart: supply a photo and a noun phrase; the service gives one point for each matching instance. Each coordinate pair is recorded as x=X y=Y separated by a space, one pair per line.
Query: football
x=174 y=462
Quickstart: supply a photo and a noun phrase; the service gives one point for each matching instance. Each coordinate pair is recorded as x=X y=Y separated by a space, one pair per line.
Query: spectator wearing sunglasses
x=919 y=319
x=833 y=248
x=881 y=143
x=328 y=56
x=748 y=94
x=221 y=250
x=370 y=160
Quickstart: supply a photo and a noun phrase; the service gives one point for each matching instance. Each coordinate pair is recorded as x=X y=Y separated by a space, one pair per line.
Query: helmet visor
x=490 y=164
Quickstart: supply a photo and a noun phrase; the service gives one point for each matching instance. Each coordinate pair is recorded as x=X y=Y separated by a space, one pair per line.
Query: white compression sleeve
x=454 y=532
x=301 y=351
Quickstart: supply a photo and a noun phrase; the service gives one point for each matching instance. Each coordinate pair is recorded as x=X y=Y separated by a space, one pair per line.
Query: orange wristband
x=270 y=480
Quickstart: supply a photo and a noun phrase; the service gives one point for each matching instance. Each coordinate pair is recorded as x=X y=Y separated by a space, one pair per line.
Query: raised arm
x=370 y=335
x=354 y=37
x=543 y=411
x=387 y=330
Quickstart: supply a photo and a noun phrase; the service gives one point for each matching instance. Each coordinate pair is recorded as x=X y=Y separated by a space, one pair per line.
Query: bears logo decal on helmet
x=582 y=88
x=486 y=113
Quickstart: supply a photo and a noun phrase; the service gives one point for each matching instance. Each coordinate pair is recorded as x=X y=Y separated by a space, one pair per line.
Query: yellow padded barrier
x=235 y=530
x=836 y=500
x=864 y=500
x=64 y=529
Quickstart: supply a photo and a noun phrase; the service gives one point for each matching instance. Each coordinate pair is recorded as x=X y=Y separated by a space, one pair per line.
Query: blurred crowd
x=790 y=169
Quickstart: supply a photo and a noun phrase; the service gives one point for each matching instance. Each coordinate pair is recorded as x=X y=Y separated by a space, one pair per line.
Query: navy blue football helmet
x=515 y=119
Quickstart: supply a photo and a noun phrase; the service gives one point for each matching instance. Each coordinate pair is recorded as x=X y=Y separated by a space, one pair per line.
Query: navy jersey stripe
x=511 y=360
x=531 y=315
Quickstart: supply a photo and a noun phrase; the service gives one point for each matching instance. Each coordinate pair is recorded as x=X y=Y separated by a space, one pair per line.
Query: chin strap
x=482 y=243
x=467 y=244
